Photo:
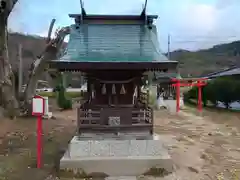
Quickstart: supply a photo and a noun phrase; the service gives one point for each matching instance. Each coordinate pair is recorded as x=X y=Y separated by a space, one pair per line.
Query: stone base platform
x=116 y=157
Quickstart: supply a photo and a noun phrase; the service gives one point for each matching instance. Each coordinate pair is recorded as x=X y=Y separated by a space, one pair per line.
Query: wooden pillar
x=138 y=92
x=169 y=90
x=88 y=88
x=158 y=90
x=147 y=104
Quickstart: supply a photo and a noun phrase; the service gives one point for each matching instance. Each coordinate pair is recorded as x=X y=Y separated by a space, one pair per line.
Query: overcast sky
x=192 y=24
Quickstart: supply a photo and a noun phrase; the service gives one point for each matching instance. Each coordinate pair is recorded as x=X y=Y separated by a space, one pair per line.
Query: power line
x=197 y=38
x=206 y=36
x=202 y=41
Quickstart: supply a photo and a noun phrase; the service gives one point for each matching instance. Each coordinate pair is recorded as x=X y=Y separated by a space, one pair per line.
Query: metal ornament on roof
x=104 y=91
x=122 y=91
x=113 y=89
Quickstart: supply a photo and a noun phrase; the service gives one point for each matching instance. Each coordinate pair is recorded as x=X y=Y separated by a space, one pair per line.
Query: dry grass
x=18 y=147
x=204 y=146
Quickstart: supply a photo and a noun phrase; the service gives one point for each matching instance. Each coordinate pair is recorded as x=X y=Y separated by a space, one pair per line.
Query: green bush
x=191 y=94
x=224 y=89
x=209 y=94
x=62 y=101
x=237 y=90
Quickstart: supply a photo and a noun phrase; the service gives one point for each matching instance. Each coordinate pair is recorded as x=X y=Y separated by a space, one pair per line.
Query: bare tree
x=13 y=106
x=51 y=52
x=7 y=93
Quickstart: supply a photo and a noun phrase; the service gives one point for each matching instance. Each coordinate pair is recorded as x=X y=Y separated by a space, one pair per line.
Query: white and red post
x=38 y=110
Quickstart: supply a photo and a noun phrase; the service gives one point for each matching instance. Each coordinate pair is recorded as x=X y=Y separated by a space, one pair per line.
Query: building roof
x=226 y=72
x=113 y=43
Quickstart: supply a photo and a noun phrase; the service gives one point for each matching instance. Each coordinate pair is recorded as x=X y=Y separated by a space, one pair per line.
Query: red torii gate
x=199 y=82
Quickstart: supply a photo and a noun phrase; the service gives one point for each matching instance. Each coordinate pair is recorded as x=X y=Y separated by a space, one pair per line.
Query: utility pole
x=20 y=70
x=168 y=46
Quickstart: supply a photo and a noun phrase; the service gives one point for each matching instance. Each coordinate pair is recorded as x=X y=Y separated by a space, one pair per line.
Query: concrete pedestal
x=161 y=103
x=47 y=114
x=122 y=157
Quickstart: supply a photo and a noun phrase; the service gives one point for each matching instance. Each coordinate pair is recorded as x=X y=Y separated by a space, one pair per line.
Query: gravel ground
x=205 y=147
x=202 y=147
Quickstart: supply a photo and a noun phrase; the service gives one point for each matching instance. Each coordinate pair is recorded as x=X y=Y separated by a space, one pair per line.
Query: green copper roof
x=113 y=43
x=178 y=76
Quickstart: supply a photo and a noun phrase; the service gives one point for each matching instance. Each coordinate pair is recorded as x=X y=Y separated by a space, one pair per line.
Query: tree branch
x=50 y=30
x=6 y=7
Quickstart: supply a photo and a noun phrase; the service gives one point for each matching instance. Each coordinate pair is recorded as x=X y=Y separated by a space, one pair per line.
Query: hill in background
x=32 y=46
x=208 y=60
x=190 y=63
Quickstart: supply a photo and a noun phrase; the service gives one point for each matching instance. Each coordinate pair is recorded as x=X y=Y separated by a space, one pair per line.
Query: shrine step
x=116 y=157
x=144 y=135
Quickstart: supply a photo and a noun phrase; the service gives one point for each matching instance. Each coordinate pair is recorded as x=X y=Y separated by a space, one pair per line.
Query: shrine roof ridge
x=112 y=17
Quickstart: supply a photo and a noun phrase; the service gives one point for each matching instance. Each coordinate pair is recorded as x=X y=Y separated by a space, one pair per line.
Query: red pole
x=39 y=141
x=199 y=96
x=178 y=95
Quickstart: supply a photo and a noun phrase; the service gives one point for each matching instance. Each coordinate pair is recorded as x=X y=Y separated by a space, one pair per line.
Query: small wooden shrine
x=113 y=52
x=164 y=84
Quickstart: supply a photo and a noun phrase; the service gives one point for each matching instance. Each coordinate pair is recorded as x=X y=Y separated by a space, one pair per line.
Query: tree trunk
x=7 y=92
x=38 y=68
x=50 y=53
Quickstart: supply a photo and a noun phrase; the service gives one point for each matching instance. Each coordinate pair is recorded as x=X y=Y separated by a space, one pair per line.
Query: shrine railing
x=142 y=116
x=88 y=116
x=138 y=118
